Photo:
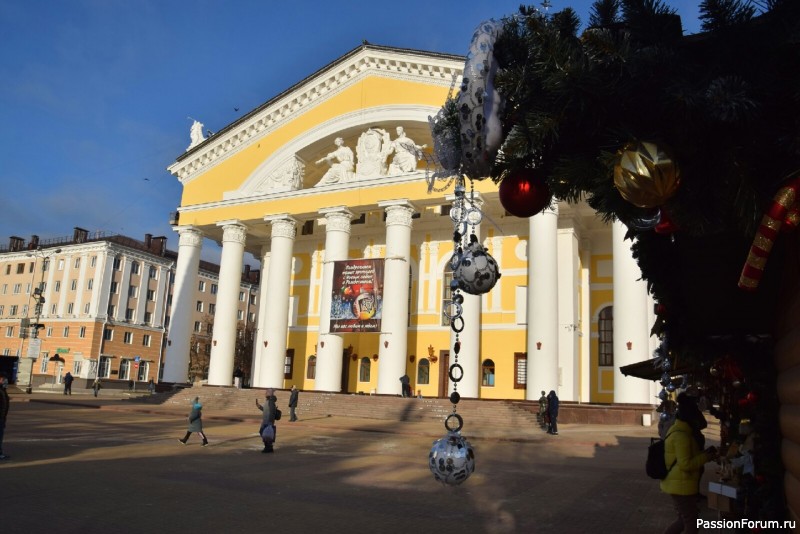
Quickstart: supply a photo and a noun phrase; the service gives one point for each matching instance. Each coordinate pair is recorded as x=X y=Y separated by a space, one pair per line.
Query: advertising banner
x=357 y=297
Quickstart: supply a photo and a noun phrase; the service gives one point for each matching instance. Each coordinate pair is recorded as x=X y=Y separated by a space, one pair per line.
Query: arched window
x=311 y=373
x=605 y=329
x=487 y=373
x=363 y=370
x=424 y=371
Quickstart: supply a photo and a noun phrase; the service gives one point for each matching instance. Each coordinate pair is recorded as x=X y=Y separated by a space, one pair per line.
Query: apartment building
x=101 y=307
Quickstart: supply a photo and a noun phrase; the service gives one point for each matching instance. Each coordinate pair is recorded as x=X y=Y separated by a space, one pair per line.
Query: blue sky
x=95 y=95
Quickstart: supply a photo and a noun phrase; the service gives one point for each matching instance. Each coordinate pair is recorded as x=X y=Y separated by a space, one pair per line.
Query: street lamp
x=37 y=295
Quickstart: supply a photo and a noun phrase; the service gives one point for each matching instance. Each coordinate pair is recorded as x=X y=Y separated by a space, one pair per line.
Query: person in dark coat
x=267 y=431
x=96 y=386
x=405 y=385
x=4 y=402
x=293 y=404
x=552 y=412
x=68 y=383
x=195 y=422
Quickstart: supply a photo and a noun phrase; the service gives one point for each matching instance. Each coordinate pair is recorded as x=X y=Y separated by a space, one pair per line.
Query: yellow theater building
x=335 y=174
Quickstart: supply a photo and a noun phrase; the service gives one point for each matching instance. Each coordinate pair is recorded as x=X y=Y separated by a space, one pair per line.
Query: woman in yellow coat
x=685 y=458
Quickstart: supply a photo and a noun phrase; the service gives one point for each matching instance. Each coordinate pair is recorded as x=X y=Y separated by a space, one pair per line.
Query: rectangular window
x=251 y=317
x=129 y=314
x=199 y=306
x=146 y=340
x=86 y=308
x=2 y=308
x=114 y=287
x=43 y=364
x=253 y=299
x=76 y=367
x=240 y=315
x=153 y=273
x=82 y=332
x=9 y=331
x=148 y=317
x=214 y=288
x=5 y=289
x=144 y=369
x=447 y=297
x=77 y=263
x=520 y=370
x=124 y=369
x=241 y=296
x=90 y=284
x=104 y=369
x=31 y=267
x=17 y=289
x=117 y=264
x=49 y=331
x=151 y=295
x=66 y=331
x=20 y=268
x=73 y=284
x=112 y=310
x=70 y=307
x=57 y=287
x=25 y=310
x=93 y=261
x=133 y=291
x=198 y=326
x=12 y=310
x=212 y=308
x=135 y=267
x=202 y=286
x=128 y=338
x=288 y=364
x=108 y=334
x=209 y=328
x=53 y=309
x=60 y=265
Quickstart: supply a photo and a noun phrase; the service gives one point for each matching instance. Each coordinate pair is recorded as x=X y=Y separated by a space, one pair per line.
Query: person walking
x=68 y=383
x=268 y=431
x=685 y=459
x=4 y=404
x=543 y=411
x=552 y=412
x=293 y=404
x=96 y=386
x=195 y=422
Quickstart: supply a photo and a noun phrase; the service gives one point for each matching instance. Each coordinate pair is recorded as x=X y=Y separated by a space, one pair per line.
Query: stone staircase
x=313 y=404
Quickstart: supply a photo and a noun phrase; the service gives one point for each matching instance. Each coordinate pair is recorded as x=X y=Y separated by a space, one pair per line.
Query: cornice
x=431 y=69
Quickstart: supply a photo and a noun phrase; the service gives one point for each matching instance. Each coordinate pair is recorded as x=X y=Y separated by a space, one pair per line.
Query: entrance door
x=444 y=377
x=345 y=370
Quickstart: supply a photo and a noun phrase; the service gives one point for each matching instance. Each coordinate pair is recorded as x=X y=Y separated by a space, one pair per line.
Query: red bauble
x=524 y=193
x=666 y=225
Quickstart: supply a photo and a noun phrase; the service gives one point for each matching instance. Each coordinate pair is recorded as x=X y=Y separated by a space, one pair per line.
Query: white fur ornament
x=479 y=103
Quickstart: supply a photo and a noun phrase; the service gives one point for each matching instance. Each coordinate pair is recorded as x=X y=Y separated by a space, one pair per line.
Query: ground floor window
x=105 y=367
x=311 y=373
x=520 y=370
x=424 y=372
x=43 y=364
x=364 y=370
x=144 y=369
x=124 y=369
x=487 y=373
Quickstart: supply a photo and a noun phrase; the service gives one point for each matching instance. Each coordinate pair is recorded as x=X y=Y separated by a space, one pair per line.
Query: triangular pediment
x=335 y=83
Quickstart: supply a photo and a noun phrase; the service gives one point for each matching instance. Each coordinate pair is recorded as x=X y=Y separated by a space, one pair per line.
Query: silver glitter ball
x=451 y=459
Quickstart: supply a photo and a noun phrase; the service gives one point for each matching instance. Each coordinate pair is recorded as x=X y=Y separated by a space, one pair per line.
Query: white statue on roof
x=341 y=162
x=196 y=134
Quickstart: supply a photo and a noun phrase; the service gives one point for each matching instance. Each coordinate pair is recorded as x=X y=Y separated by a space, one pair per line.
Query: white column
x=434 y=275
x=223 y=344
x=568 y=279
x=122 y=290
x=586 y=321
x=101 y=293
x=393 y=341
x=329 y=347
x=141 y=298
x=542 y=303
x=276 y=320
x=61 y=310
x=469 y=357
x=176 y=359
x=258 y=348
x=161 y=296
x=630 y=320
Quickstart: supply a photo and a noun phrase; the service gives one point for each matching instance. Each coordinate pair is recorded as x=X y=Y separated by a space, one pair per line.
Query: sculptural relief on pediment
x=288 y=176
x=373 y=150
